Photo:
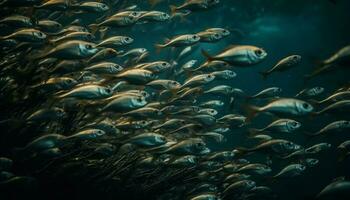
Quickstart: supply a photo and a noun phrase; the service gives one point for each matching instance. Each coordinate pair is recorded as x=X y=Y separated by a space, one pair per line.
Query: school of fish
x=78 y=101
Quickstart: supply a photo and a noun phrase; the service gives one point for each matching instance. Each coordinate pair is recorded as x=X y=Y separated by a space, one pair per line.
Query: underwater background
x=313 y=29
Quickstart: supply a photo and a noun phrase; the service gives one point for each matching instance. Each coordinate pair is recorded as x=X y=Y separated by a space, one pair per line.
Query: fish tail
x=207 y=55
x=173 y=10
x=252 y=111
x=159 y=47
x=103 y=32
x=264 y=74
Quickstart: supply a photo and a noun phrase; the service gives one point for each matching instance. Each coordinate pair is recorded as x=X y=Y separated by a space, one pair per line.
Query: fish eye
x=194 y=37
x=305 y=105
x=164 y=64
x=165 y=15
x=127 y=39
x=108 y=90
x=88 y=46
x=258 y=52
x=295 y=57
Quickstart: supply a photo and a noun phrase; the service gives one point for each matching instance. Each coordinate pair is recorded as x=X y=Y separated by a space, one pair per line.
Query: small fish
x=155 y=16
x=137 y=76
x=198 y=80
x=179 y=41
x=278 y=146
x=340 y=106
x=124 y=103
x=291 y=171
x=88 y=92
x=280 y=125
x=338 y=189
x=285 y=106
x=310 y=92
x=282 y=65
x=317 y=148
x=27 y=35
x=332 y=127
x=105 y=68
x=267 y=93
x=116 y=41
x=242 y=55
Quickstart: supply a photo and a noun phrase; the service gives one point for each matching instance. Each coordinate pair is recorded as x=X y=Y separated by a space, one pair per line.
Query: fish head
x=293 y=125
x=193 y=38
x=160 y=139
x=277 y=90
x=103 y=7
x=116 y=68
x=216 y=36
x=212 y=112
x=165 y=65
x=294 y=59
x=138 y=101
x=69 y=82
x=99 y=132
x=164 y=16
x=209 y=77
x=106 y=92
x=174 y=85
x=87 y=48
x=127 y=40
x=199 y=147
x=225 y=32
x=304 y=107
x=39 y=35
x=301 y=167
x=257 y=55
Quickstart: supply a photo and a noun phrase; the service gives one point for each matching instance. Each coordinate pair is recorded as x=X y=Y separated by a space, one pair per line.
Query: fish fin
x=207 y=55
x=103 y=32
x=252 y=111
x=264 y=75
x=173 y=10
x=159 y=47
x=94 y=28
